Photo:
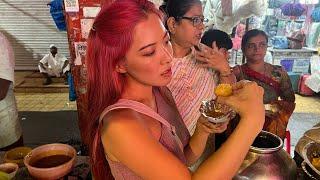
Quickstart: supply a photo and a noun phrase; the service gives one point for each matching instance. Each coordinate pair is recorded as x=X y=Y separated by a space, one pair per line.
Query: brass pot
x=312 y=135
x=267 y=159
x=310 y=151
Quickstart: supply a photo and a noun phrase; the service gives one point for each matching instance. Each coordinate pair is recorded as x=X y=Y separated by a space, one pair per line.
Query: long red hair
x=109 y=40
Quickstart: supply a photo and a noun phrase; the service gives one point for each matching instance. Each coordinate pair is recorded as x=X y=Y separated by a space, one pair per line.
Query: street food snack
x=316 y=163
x=223 y=90
x=216 y=112
x=8 y=170
x=16 y=155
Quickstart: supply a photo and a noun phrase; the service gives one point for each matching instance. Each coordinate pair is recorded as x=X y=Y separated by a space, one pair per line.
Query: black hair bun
x=163 y=6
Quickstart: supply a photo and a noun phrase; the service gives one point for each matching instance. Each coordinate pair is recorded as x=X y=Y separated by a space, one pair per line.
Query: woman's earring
x=171 y=25
x=120 y=69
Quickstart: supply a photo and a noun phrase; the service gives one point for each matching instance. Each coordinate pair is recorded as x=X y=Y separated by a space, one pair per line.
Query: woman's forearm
x=196 y=146
x=231 y=154
x=227 y=76
x=228 y=79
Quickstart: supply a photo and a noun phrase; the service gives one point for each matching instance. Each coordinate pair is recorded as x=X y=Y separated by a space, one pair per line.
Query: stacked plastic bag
x=292 y=9
x=277 y=3
x=280 y=42
x=313 y=81
x=315 y=15
x=314 y=32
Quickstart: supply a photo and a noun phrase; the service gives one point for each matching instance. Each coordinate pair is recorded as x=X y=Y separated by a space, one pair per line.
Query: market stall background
x=79 y=17
x=266 y=15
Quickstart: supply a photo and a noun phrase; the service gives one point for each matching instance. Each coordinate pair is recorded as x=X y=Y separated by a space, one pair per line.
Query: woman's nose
x=201 y=26
x=167 y=53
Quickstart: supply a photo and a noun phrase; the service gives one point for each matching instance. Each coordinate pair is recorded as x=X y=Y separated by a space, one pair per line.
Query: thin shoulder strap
x=138 y=107
x=143 y=109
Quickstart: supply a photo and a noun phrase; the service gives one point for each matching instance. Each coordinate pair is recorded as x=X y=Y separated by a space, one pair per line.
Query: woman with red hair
x=134 y=127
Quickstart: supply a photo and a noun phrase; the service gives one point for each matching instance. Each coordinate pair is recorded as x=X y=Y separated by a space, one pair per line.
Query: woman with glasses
x=196 y=68
x=274 y=79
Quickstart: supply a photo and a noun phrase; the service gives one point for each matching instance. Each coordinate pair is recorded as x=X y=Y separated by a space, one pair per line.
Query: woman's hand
x=213 y=58
x=205 y=126
x=247 y=100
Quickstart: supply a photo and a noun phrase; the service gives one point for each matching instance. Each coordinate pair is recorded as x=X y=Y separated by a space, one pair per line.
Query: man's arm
x=42 y=66
x=4 y=84
x=65 y=64
x=43 y=63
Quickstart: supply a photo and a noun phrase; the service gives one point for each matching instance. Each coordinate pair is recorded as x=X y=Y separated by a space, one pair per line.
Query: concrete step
x=38 y=77
x=42 y=79
x=38 y=87
x=33 y=83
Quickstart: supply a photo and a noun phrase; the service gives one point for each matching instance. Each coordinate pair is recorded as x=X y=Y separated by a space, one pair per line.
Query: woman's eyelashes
x=149 y=53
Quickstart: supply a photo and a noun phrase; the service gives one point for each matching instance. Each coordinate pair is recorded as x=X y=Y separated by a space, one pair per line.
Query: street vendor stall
x=293 y=60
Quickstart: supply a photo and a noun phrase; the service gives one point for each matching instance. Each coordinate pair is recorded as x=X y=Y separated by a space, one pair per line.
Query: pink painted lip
x=167 y=72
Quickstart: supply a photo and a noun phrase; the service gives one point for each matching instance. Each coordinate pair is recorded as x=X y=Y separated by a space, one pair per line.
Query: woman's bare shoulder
x=121 y=123
x=120 y=116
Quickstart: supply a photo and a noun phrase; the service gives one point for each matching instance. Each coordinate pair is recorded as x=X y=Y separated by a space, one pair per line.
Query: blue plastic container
x=287 y=64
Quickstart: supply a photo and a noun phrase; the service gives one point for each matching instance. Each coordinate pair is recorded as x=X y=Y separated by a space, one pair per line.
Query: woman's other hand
x=204 y=125
x=247 y=100
x=213 y=58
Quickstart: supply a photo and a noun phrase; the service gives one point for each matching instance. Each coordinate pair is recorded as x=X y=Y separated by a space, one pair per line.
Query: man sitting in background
x=54 y=64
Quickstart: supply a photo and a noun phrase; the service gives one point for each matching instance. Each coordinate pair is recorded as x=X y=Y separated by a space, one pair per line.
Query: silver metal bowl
x=309 y=152
x=223 y=112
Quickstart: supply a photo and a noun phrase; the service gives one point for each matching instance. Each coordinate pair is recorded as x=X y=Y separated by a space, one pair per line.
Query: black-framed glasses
x=196 y=20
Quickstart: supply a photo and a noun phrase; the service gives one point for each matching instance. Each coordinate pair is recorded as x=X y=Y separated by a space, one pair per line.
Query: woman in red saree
x=278 y=93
